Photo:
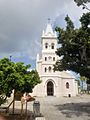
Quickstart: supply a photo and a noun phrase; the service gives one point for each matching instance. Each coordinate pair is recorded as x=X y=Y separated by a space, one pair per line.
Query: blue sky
x=22 y=23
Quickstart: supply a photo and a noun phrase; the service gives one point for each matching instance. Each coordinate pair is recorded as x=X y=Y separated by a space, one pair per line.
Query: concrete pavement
x=62 y=108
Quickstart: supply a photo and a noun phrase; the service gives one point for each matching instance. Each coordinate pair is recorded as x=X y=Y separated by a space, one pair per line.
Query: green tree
x=16 y=76
x=75 y=47
x=83 y=3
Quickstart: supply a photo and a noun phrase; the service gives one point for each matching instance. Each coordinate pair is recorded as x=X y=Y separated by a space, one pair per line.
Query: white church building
x=54 y=83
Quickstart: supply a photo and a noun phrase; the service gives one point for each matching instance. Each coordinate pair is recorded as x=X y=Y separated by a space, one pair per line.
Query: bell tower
x=49 y=46
x=49 y=36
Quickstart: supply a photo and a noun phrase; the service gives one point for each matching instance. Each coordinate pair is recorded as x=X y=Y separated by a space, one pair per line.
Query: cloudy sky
x=22 y=22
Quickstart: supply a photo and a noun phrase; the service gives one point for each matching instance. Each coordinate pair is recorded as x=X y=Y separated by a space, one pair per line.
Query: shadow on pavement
x=17 y=115
x=75 y=109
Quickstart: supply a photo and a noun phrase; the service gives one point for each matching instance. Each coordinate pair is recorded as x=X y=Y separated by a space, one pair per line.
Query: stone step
x=40 y=118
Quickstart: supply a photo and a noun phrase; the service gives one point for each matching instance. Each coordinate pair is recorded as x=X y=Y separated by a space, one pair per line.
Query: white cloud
x=22 y=22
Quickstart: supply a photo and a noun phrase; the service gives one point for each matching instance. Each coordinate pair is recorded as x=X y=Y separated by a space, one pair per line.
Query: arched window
x=53 y=58
x=53 y=70
x=49 y=69
x=46 y=45
x=45 y=58
x=52 y=46
x=67 y=85
x=45 y=69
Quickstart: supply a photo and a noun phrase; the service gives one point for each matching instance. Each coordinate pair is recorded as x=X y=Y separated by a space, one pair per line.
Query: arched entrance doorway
x=50 y=88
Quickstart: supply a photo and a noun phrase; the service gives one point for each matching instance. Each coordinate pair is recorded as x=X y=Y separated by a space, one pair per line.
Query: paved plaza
x=62 y=108
x=66 y=108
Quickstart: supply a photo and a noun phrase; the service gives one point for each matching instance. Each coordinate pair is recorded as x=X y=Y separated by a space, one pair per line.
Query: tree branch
x=85 y=7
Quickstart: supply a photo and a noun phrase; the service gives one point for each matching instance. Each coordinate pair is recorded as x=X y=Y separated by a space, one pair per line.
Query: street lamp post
x=10 y=57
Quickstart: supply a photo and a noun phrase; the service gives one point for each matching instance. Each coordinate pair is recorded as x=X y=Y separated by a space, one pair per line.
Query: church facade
x=54 y=83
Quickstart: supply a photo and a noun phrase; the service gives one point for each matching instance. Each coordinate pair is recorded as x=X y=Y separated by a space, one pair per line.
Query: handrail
x=10 y=103
x=7 y=108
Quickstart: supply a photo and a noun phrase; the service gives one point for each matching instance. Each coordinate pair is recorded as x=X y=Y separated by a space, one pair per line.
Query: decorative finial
x=49 y=20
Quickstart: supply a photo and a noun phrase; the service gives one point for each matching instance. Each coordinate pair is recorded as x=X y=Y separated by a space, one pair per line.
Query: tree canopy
x=16 y=76
x=80 y=2
x=83 y=3
x=75 y=46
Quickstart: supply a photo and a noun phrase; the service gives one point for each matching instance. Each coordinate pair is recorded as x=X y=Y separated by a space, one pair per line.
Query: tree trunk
x=82 y=85
x=26 y=108
x=13 y=102
x=21 y=108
